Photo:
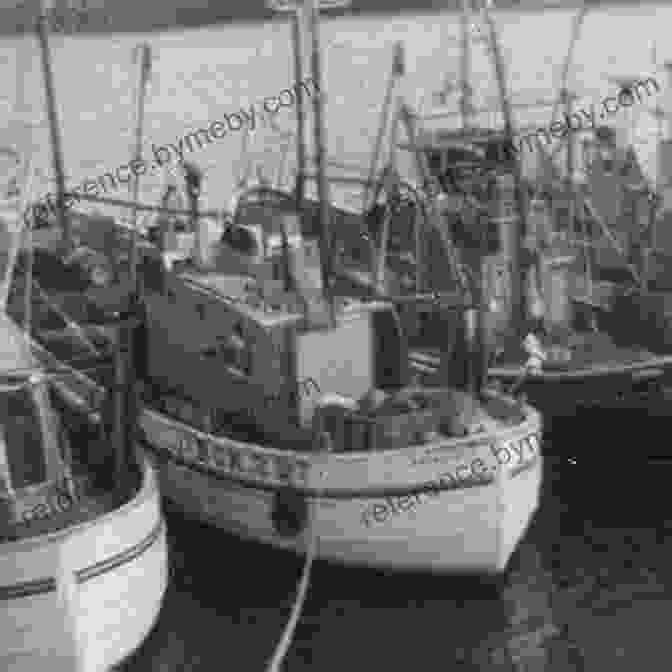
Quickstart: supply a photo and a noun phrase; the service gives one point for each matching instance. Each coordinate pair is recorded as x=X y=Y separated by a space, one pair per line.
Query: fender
x=289 y=513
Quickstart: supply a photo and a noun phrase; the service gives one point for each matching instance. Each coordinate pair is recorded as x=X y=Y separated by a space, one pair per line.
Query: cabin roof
x=230 y=290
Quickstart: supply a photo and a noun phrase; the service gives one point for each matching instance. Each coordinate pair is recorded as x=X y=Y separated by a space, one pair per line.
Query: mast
x=395 y=76
x=519 y=223
x=297 y=18
x=57 y=153
x=368 y=199
x=144 y=66
x=320 y=149
x=466 y=107
x=569 y=164
x=569 y=57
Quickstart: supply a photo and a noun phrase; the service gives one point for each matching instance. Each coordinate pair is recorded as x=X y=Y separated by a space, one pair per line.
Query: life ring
x=289 y=513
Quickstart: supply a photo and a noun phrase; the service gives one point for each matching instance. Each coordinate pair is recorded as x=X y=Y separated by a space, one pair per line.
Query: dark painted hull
x=615 y=391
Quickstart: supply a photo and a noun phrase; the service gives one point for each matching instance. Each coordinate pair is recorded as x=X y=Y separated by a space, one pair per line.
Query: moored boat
x=83 y=556
x=403 y=488
x=549 y=339
x=283 y=413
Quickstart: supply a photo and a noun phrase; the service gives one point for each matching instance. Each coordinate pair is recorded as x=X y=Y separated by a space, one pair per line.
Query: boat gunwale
x=655 y=361
x=148 y=486
x=324 y=493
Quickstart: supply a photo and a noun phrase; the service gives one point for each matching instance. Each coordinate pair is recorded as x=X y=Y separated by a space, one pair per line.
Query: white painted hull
x=120 y=560
x=467 y=530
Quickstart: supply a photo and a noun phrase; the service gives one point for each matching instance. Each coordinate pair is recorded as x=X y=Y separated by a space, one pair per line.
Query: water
x=590 y=592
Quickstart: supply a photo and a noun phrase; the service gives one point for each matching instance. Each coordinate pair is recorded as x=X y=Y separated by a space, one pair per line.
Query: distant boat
x=531 y=271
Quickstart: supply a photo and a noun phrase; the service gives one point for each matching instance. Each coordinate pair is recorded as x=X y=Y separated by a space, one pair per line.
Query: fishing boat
x=62 y=523
x=83 y=556
x=515 y=233
x=285 y=413
x=625 y=241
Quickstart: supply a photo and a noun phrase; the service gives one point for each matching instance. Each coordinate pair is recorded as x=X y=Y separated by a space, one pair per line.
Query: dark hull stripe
x=40 y=586
x=166 y=456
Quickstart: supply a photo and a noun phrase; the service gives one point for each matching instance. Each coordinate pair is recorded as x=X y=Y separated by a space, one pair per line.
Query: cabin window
x=21 y=436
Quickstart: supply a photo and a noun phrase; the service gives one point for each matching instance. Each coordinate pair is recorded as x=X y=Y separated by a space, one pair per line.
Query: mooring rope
x=282 y=648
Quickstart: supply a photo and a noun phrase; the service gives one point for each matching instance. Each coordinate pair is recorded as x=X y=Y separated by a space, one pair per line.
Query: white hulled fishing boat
x=282 y=413
x=83 y=565
x=83 y=556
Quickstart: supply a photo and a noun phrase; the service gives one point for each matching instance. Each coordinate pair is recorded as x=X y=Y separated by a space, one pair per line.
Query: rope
x=282 y=648
x=606 y=232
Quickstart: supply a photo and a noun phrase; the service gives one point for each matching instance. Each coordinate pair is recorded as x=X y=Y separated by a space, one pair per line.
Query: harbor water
x=588 y=590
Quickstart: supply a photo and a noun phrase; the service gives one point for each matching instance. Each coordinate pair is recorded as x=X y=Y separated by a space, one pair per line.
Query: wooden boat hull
x=560 y=394
x=382 y=514
x=471 y=525
x=121 y=569
x=632 y=387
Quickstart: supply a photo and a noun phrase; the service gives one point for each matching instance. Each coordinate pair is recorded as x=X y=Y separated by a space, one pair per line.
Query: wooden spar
x=56 y=150
x=142 y=207
x=395 y=75
x=297 y=23
x=569 y=166
x=466 y=108
x=143 y=54
x=519 y=223
x=576 y=29
x=320 y=150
